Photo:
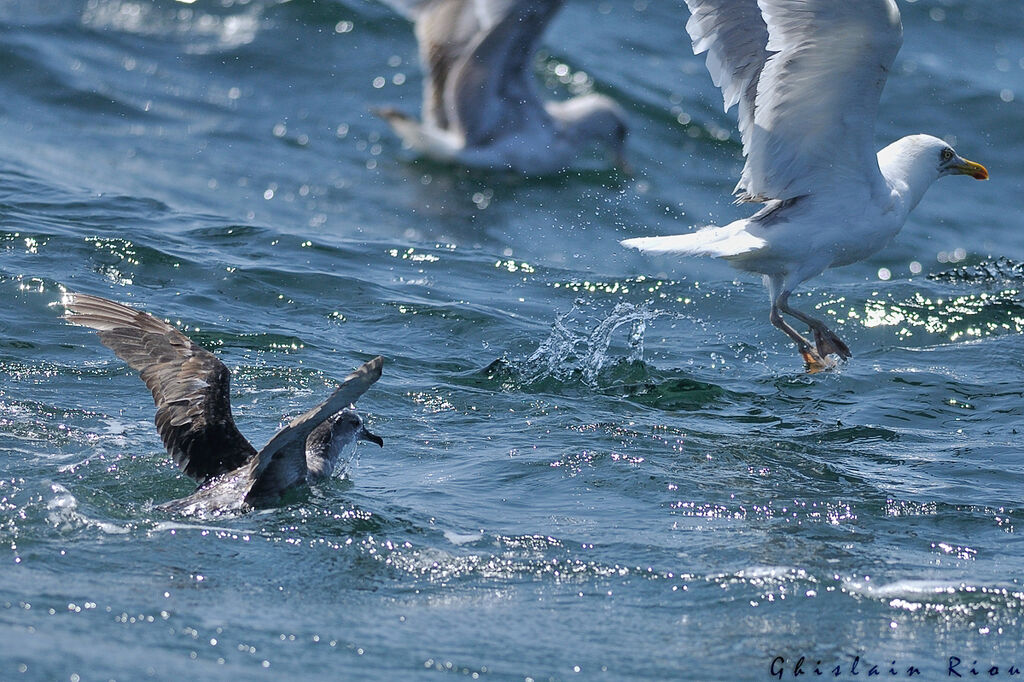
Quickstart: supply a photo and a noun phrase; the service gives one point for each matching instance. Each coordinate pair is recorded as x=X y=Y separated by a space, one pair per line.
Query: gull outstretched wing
x=808 y=75
x=492 y=86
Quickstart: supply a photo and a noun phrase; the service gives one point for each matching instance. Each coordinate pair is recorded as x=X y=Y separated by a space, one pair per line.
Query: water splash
x=63 y=513
x=570 y=352
x=988 y=273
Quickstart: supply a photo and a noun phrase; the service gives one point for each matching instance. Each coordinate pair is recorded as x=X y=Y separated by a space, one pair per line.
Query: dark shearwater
x=191 y=390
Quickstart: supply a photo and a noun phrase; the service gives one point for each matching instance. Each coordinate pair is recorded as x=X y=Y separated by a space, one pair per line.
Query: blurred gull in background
x=481 y=106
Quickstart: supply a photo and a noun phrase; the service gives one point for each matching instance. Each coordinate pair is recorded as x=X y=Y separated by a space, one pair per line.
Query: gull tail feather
x=731 y=241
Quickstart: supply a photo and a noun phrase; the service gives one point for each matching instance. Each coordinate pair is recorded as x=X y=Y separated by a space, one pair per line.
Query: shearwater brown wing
x=191 y=387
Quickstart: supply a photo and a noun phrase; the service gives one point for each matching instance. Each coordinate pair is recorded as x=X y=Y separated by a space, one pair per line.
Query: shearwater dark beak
x=372 y=437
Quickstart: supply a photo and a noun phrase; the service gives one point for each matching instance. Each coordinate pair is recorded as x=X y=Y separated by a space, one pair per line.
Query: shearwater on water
x=191 y=390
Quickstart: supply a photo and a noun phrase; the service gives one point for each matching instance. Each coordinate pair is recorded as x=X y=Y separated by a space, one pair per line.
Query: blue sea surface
x=598 y=464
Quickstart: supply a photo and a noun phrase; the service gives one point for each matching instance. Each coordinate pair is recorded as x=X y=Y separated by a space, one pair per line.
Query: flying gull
x=481 y=105
x=807 y=76
x=191 y=390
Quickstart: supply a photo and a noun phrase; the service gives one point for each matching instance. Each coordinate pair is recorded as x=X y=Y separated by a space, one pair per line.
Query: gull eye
x=947 y=154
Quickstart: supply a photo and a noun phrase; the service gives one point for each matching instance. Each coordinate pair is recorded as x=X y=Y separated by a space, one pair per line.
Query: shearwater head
x=327 y=441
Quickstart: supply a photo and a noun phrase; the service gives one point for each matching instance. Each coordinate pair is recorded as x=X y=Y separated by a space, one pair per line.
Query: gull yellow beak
x=975 y=170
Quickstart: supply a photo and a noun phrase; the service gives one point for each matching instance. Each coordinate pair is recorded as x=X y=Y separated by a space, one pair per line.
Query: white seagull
x=481 y=104
x=807 y=76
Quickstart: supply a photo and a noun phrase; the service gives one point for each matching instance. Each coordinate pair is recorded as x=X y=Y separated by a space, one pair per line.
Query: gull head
x=913 y=163
x=594 y=120
x=951 y=163
x=327 y=441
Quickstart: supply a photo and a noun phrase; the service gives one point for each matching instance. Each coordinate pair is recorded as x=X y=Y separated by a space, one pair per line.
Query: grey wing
x=281 y=463
x=444 y=31
x=492 y=87
x=190 y=386
x=486 y=12
x=274 y=474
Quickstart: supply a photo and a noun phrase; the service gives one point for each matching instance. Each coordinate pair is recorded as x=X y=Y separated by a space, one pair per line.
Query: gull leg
x=825 y=339
x=815 y=361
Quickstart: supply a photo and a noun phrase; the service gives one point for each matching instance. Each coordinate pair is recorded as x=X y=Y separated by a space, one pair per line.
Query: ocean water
x=598 y=465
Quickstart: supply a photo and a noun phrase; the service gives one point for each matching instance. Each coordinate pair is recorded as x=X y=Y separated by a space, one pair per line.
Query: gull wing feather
x=492 y=86
x=190 y=385
x=735 y=37
x=446 y=31
x=281 y=463
x=486 y=12
x=817 y=98
x=808 y=111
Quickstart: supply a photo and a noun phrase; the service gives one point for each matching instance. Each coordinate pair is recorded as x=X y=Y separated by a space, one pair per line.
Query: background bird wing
x=808 y=95
x=282 y=461
x=409 y=9
x=190 y=385
x=446 y=31
x=492 y=86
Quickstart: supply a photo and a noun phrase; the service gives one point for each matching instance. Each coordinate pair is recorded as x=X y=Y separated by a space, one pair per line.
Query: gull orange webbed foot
x=816 y=362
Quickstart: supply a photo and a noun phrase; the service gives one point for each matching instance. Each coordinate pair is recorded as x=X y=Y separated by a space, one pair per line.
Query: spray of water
x=570 y=352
